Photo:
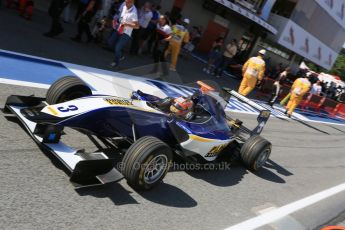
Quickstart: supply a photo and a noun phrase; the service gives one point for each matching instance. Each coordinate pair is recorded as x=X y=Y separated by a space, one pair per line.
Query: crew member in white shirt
x=123 y=30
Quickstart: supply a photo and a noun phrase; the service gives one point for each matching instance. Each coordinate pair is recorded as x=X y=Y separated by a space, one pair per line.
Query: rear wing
x=264 y=114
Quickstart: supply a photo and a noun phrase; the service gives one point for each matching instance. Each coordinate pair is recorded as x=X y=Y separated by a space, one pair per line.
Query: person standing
x=55 y=10
x=123 y=29
x=316 y=88
x=139 y=36
x=253 y=72
x=300 y=87
x=82 y=5
x=162 y=37
x=180 y=35
x=277 y=84
x=152 y=27
x=85 y=19
x=214 y=55
x=227 y=59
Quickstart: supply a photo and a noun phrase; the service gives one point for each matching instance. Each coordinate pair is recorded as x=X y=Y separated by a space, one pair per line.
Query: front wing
x=83 y=166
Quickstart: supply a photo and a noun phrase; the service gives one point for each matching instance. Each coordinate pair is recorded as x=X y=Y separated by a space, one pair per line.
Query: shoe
x=289 y=115
x=286 y=112
x=113 y=64
x=122 y=58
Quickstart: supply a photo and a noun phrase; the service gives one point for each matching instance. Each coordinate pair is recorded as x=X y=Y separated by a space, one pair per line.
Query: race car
x=143 y=130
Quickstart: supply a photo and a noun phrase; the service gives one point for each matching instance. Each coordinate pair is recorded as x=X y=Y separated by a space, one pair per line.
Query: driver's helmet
x=181 y=106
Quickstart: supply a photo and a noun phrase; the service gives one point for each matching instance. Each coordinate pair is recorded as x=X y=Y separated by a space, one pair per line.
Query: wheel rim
x=261 y=160
x=155 y=169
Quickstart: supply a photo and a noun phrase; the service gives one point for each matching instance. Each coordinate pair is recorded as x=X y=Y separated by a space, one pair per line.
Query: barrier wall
x=310 y=102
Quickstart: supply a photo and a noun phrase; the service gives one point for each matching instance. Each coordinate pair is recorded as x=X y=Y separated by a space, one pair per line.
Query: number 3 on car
x=68 y=108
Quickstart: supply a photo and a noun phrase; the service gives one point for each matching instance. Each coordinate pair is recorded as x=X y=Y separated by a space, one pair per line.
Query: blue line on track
x=22 y=68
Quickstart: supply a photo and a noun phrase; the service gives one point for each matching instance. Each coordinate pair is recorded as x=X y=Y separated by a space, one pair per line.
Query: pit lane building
x=291 y=30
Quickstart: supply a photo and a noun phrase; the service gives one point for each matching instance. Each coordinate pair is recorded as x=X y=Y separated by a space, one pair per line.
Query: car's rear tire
x=255 y=152
x=146 y=163
x=66 y=89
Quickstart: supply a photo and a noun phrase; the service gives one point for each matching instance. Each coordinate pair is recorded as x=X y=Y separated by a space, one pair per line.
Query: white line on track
x=23 y=83
x=271 y=216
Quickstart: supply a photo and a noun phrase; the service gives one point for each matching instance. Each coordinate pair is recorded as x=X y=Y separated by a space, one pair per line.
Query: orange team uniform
x=179 y=35
x=252 y=70
x=300 y=87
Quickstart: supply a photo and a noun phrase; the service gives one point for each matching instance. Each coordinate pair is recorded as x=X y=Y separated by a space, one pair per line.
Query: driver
x=181 y=106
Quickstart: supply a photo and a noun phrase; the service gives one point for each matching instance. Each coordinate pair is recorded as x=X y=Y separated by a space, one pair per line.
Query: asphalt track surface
x=36 y=192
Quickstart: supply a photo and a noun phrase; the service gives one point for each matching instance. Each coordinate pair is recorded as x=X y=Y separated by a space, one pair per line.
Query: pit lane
x=307 y=158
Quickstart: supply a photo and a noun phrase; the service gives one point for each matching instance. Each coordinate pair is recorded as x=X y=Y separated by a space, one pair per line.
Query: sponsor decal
x=330 y=59
x=265 y=114
x=330 y=3
x=291 y=38
x=305 y=48
x=216 y=150
x=305 y=44
x=115 y=101
x=52 y=110
x=319 y=54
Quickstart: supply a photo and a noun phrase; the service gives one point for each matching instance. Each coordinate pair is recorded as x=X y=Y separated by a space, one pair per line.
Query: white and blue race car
x=144 y=131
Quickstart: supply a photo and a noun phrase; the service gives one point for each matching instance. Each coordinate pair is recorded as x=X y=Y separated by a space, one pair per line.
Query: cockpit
x=197 y=108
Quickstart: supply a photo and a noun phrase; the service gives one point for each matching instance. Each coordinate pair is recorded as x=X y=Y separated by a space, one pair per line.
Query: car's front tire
x=255 y=152
x=66 y=89
x=146 y=163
